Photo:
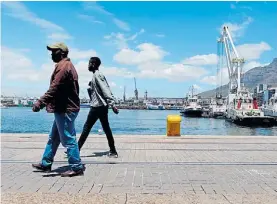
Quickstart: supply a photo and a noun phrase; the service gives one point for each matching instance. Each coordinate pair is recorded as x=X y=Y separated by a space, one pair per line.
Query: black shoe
x=41 y=167
x=71 y=173
x=113 y=154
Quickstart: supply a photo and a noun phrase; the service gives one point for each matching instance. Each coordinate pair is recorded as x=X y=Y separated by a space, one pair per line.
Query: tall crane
x=136 y=91
x=233 y=60
x=146 y=94
x=124 y=94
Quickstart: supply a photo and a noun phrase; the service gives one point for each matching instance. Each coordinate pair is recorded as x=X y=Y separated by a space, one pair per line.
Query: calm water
x=23 y=120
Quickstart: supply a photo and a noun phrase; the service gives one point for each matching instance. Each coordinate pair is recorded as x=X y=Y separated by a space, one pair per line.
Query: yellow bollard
x=173 y=125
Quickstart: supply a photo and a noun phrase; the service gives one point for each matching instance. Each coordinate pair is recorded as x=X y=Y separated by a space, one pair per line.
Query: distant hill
x=253 y=77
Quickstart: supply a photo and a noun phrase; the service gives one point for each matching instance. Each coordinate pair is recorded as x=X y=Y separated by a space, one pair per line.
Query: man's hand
x=36 y=107
x=115 y=110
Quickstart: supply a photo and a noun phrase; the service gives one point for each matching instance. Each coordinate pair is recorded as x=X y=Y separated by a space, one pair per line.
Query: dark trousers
x=96 y=113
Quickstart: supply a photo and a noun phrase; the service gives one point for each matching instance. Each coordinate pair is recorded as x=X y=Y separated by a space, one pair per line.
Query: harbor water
x=127 y=122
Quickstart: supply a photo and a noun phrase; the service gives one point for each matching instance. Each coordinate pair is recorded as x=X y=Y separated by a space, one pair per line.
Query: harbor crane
x=136 y=91
x=242 y=108
x=124 y=94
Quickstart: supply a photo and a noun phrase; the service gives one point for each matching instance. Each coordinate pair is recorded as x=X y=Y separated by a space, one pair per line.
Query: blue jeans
x=63 y=131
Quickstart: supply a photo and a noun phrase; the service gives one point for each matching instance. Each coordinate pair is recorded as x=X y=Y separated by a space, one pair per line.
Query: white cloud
x=253 y=64
x=221 y=78
x=146 y=52
x=247 y=7
x=209 y=80
x=233 y=6
x=20 y=11
x=59 y=36
x=90 y=19
x=121 y=24
x=96 y=7
x=195 y=86
x=237 y=30
x=120 y=40
x=16 y=66
x=112 y=84
x=210 y=59
x=172 y=72
x=253 y=51
x=160 y=35
x=81 y=54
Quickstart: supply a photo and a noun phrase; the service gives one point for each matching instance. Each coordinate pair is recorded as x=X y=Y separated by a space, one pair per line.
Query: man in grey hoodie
x=101 y=98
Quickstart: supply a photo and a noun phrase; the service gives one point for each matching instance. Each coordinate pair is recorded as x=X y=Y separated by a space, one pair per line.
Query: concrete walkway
x=150 y=169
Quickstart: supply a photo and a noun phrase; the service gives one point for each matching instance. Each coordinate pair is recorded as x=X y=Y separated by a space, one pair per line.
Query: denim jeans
x=63 y=131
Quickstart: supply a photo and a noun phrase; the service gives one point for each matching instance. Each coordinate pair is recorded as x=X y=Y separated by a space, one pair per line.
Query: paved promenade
x=150 y=169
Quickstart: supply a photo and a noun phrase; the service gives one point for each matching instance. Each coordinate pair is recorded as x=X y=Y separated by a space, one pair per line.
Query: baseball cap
x=58 y=45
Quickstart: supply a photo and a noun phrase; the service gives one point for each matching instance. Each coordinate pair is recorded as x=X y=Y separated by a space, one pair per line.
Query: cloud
x=120 y=40
x=209 y=80
x=195 y=86
x=121 y=24
x=59 y=36
x=90 y=19
x=16 y=66
x=112 y=84
x=253 y=51
x=81 y=54
x=247 y=7
x=148 y=58
x=23 y=71
x=160 y=35
x=233 y=6
x=20 y=11
x=253 y=64
x=237 y=30
x=145 y=52
x=173 y=72
x=98 y=8
x=210 y=59
x=221 y=78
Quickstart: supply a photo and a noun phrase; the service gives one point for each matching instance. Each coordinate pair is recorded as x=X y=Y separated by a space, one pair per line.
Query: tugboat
x=270 y=109
x=242 y=108
x=192 y=107
x=217 y=108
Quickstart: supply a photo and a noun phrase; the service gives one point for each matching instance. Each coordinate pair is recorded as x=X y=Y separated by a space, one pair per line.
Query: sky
x=166 y=46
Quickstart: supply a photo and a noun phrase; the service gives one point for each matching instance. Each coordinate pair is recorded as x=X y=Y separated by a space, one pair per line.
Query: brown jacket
x=63 y=93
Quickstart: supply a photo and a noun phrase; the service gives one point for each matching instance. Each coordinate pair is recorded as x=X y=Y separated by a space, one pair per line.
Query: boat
x=217 y=108
x=192 y=107
x=155 y=107
x=2 y=106
x=242 y=108
x=270 y=109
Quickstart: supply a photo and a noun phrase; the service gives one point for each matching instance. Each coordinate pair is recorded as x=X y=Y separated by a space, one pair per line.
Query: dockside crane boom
x=233 y=60
x=136 y=91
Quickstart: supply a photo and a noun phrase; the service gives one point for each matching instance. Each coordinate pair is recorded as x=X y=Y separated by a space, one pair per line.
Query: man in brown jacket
x=62 y=99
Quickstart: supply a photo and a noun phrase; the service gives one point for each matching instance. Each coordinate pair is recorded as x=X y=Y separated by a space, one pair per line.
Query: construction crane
x=136 y=91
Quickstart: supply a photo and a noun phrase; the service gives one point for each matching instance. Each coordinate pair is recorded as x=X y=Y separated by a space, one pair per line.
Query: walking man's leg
x=50 y=150
x=103 y=116
x=91 y=119
x=66 y=128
